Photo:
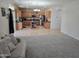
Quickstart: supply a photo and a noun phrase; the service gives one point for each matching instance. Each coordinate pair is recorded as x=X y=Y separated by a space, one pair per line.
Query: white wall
x=56 y=19
x=70 y=19
x=3 y=21
x=4 y=27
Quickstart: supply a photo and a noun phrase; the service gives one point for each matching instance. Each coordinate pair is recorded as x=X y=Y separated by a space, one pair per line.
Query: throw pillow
x=13 y=39
x=7 y=39
x=11 y=46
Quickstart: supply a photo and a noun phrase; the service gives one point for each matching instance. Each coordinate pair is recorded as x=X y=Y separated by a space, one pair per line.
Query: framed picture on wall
x=3 y=11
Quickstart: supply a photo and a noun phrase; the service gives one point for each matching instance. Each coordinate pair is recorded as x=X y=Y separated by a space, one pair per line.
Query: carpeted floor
x=52 y=45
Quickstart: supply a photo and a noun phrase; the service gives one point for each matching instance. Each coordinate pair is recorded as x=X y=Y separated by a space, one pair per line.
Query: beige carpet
x=32 y=32
x=43 y=43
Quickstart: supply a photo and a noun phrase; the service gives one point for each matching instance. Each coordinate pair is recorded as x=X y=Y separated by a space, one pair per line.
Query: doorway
x=32 y=18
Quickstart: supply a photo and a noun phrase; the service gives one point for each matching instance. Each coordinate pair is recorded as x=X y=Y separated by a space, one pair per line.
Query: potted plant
x=18 y=24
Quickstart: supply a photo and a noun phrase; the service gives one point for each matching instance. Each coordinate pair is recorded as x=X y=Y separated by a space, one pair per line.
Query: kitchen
x=32 y=18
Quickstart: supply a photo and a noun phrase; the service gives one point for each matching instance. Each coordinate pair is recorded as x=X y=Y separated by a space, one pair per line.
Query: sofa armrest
x=19 y=51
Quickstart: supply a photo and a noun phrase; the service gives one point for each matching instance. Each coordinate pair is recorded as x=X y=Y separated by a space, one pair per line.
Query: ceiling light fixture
x=36 y=10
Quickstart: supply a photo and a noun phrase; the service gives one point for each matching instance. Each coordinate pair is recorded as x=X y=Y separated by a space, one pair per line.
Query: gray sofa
x=11 y=48
x=20 y=50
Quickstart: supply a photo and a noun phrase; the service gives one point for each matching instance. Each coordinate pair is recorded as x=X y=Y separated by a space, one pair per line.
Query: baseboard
x=70 y=35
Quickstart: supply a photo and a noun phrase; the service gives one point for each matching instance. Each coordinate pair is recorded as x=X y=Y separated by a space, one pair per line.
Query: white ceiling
x=41 y=3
